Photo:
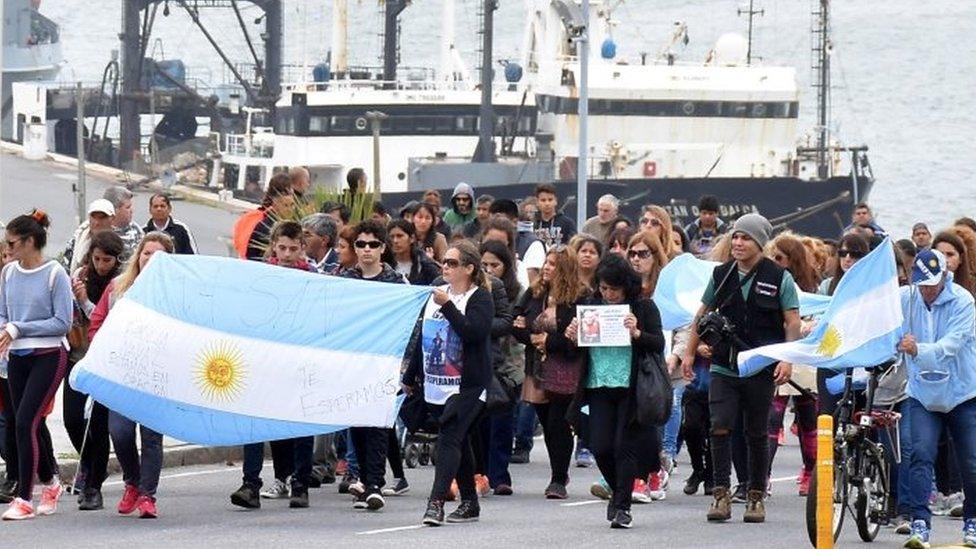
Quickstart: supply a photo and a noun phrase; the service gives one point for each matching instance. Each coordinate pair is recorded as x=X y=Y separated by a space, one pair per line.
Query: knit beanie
x=756 y=226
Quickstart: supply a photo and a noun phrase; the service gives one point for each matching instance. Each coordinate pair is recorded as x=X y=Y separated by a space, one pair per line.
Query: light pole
x=375 y=121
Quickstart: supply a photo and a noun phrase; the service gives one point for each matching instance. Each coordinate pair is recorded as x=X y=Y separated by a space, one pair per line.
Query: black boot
x=91 y=500
x=434 y=516
x=692 y=484
x=247 y=496
x=468 y=511
x=299 y=496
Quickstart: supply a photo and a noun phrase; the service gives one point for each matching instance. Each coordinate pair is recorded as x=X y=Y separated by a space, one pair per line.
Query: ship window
x=738 y=110
x=340 y=124
x=466 y=124
x=443 y=124
x=424 y=124
x=318 y=124
x=758 y=110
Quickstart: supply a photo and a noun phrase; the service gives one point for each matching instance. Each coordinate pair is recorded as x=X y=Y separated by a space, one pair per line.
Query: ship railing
x=643 y=61
x=239 y=144
x=400 y=85
x=43 y=30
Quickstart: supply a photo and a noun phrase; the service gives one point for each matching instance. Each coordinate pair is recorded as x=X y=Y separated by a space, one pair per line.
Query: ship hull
x=817 y=208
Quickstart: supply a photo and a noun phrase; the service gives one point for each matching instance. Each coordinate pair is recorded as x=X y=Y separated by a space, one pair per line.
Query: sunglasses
x=850 y=253
x=371 y=244
x=643 y=254
x=452 y=263
x=652 y=221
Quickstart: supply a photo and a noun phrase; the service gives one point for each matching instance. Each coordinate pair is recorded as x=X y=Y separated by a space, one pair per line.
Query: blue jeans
x=524 y=426
x=900 y=472
x=669 y=441
x=344 y=441
x=926 y=428
x=497 y=430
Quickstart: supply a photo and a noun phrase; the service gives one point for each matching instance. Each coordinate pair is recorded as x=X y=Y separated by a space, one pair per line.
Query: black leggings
x=393 y=454
x=696 y=425
x=10 y=435
x=34 y=380
x=558 y=435
x=94 y=455
x=617 y=443
x=455 y=456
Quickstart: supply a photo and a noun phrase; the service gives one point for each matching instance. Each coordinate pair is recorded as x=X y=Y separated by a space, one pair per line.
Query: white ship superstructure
x=31 y=51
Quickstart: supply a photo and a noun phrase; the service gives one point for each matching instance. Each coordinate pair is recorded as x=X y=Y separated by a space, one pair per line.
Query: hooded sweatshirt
x=943 y=373
x=455 y=219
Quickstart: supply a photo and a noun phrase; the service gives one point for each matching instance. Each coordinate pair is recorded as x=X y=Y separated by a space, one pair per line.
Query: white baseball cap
x=101 y=206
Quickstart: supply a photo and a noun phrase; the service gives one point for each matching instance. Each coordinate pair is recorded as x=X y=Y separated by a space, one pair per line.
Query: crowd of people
x=497 y=352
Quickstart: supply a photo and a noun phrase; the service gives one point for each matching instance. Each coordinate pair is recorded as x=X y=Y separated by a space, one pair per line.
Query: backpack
x=243 y=229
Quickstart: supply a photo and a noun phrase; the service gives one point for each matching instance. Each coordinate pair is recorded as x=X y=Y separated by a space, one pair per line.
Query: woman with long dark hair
x=454 y=362
x=429 y=239
x=101 y=264
x=553 y=363
x=589 y=251
x=35 y=316
x=957 y=258
x=617 y=439
x=408 y=259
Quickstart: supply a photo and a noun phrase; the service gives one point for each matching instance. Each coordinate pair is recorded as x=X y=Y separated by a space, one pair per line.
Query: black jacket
x=759 y=319
x=423 y=270
x=388 y=274
x=474 y=328
x=650 y=340
x=179 y=232
x=556 y=342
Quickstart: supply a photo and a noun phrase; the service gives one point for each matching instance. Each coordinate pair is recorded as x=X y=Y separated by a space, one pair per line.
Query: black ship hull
x=817 y=208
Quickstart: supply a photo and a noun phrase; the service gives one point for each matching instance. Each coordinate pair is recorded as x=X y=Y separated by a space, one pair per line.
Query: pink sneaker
x=804 y=482
x=147 y=507
x=129 y=500
x=19 y=510
x=657 y=484
x=641 y=493
x=49 y=498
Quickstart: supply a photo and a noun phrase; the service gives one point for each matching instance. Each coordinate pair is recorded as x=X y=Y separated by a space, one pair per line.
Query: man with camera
x=749 y=302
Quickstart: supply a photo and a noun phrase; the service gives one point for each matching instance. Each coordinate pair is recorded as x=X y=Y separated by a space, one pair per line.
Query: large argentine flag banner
x=682 y=282
x=219 y=351
x=861 y=327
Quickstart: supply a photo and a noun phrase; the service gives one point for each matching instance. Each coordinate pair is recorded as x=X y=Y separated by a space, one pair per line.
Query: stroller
x=417 y=431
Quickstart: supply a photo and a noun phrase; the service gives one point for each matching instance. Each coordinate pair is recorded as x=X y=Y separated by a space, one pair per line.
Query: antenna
x=752 y=13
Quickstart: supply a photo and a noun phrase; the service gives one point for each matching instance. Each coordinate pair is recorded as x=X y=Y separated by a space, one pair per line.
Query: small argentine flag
x=219 y=351
x=682 y=283
x=861 y=327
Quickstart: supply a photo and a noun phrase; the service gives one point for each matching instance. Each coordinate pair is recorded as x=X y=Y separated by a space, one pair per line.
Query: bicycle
x=861 y=479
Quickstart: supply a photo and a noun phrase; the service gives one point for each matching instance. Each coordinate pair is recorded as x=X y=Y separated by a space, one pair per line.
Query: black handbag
x=415 y=413
x=653 y=392
x=499 y=397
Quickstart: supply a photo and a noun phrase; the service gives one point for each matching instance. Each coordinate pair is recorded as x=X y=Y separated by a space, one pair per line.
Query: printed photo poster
x=602 y=326
x=443 y=356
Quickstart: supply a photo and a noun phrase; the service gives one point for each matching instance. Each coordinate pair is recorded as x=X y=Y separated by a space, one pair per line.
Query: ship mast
x=751 y=13
x=821 y=71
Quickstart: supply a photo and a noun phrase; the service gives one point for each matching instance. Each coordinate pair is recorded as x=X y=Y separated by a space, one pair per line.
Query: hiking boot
x=434 y=516
x=622 y=519
x=91 y=500
x=692 y=484
x=247 y=496
x=755 y=508
x=299 y=497
x=468 y=511
x=721 y=509
x=8 y=491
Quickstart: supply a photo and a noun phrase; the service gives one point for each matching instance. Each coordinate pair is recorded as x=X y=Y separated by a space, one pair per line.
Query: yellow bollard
x=825 y=482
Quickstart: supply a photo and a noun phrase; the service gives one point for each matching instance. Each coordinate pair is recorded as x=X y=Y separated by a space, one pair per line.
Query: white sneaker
x=19 y=510
x=278 y=490
x=954 y=504
x=357 y=488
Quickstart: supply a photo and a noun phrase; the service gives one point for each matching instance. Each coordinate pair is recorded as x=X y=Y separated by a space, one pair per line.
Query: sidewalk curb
x=194 y=194
x=177 y=456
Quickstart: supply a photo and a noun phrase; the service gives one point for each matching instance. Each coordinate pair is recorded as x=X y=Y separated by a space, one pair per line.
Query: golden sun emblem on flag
x=830 y=343
x=220 y=372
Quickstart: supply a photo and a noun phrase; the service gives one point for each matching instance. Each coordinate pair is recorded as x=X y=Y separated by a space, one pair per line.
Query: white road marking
x=387 y=530
x=783 y=479
x=184 y=475
x=579 y=503
x=66 y=176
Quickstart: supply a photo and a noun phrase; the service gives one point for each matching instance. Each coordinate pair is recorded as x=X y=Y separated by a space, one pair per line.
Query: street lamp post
x=375 y=121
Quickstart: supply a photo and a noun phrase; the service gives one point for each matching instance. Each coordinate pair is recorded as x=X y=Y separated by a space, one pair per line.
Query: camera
x=714 y=329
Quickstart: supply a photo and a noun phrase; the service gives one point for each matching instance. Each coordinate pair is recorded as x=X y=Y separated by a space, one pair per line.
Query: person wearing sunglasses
x=657 y=220
x=553 y=363
x=647 y=256
x=454 y=362
x=462 y=207
x=371 y=443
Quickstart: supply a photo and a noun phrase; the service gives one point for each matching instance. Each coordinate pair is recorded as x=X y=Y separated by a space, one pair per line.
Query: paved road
x=195 y=512
x=26 y=184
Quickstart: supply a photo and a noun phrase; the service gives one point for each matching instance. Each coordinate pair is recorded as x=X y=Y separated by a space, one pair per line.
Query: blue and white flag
x=682 y=283
x=219 y=351
x=861 y=327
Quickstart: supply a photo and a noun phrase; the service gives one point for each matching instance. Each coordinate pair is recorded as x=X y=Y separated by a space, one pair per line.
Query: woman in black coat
x=457 y=370
x=618 y=441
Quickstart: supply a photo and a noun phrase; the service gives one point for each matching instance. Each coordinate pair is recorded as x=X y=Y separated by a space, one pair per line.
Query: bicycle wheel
x=841 y=494
x=871 y=505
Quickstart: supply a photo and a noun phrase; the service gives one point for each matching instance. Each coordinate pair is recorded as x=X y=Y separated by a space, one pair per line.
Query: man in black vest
x=760 y=306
